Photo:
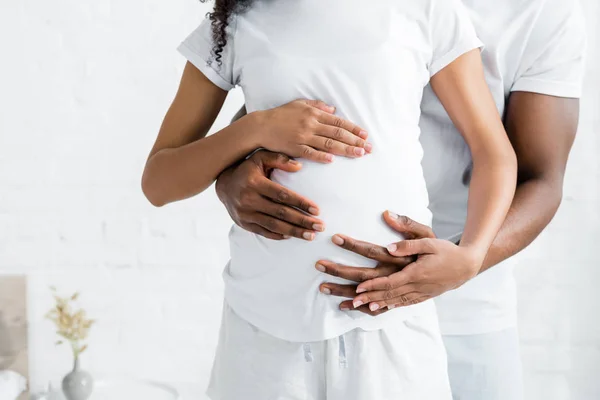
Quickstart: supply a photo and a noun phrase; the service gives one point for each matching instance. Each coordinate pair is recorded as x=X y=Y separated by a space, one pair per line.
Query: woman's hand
x=308 y=129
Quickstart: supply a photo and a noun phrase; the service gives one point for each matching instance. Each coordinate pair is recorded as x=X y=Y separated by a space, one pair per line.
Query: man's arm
x=541 y=129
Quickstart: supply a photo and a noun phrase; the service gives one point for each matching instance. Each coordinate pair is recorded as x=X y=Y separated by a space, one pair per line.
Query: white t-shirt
x=533 y=46
x=372 y=61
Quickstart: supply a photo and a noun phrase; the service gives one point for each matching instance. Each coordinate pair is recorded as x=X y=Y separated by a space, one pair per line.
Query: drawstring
x=343 y=362
x=308 y=357
x=307 y=352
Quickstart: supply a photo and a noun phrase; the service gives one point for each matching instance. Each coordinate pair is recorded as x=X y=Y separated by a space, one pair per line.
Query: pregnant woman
x=359 y=61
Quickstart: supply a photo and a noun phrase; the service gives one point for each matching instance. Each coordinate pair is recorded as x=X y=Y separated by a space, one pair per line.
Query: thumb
x=320 y=105
x=280 y=161
x=409 y=228
x=414 y=247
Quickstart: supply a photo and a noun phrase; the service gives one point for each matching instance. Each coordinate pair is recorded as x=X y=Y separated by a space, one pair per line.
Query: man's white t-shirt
x=372 y=61
x=533 y=46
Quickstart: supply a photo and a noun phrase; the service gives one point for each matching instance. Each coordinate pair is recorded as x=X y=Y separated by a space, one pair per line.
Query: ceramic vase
x=78 y=384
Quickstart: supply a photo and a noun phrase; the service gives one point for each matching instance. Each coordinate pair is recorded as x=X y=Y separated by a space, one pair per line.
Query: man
x=534 y=66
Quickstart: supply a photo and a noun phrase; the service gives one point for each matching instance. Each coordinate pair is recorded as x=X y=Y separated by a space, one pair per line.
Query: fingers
x=270 y=160
x=381 y=296
x=409 y=299
x=291 y=216
x=352 y=145
x=334 y=146
x=347 y=306
x=334 y=289
x=356 y=274
x=259 y=230
x=315 y=155
x=281 y=227
x=337 y=122
x=388 y=282
x=369 y=250
x=320 y=105
x=408 y=227
x=283 y=195
x=412 y=247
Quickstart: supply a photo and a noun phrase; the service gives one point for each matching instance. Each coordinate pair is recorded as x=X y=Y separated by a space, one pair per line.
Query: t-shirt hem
x=550 y=88
x=461 y=48
x=367 y=324
x=477 y=327
x=202 y=64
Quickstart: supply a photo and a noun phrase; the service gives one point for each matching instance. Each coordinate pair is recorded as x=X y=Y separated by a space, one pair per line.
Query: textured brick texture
x=83 y=88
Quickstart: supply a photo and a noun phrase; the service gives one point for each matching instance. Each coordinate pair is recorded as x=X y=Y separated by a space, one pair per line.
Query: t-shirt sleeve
x=197 y=48
x=451 y=33
x=553 y=62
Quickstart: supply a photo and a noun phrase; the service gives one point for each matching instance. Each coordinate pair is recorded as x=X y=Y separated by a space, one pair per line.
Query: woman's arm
x=462 y=89
x=179 y=165
x=184 y=162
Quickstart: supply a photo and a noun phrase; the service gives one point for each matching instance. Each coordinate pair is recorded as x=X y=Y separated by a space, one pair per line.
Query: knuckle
x=281 y=212
x=337 y=122
x=282 y=158
x=305 y=222
x=338 y=133
x=329 y=143
x=403 y=300
x=404 y=220
x=282 y=196
x=307 y=152
x=372 y=251
x=363 y=276
x=304 y=205
x=270 y=224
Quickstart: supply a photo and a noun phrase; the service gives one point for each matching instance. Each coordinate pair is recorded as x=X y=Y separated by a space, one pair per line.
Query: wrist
x=256 y=128
x=475 y=256
x=221 y=183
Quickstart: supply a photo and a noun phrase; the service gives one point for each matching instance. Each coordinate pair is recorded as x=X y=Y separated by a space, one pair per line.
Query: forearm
x=174 y=174
x=491 y=192
x=535 y=204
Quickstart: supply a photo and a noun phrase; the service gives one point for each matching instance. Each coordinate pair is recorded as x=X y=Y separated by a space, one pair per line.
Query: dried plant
x=72 y=325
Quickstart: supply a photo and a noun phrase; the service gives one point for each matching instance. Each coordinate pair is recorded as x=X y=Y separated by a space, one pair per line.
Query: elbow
x=150 y=189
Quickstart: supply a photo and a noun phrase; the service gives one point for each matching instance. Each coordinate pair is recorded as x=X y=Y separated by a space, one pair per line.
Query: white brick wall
x=83 y=88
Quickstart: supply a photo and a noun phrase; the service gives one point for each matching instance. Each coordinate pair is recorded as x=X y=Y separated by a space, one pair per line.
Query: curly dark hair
x=220 y=18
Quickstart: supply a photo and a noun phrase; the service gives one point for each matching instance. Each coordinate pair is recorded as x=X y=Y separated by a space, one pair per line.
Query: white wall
x=83 y=88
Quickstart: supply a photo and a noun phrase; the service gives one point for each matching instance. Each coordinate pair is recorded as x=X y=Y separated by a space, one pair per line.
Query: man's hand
x=262 y=206
x=399 y=279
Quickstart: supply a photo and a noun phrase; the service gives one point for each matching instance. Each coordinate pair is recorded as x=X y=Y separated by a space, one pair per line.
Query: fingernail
x=308 y=235
x=363 y=134
x=360 y=290
x=357 y=304
x=313 y=210
x=391 y=306
x=286 y=236
x=293 y=162
x=392 y=215
x=318 y=227
x=337 y=240
x=320 y=267
x=325 y=290
x=369 y=147
x=329 y=157
x=344 y=308
x=359 y=151
x=392 y=247
x=373 y=306
x=331 y=108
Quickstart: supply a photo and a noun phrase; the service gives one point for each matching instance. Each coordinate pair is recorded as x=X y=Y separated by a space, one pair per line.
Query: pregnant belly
x=352 y=194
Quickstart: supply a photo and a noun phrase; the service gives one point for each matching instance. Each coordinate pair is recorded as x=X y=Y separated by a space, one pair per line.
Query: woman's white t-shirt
x=371 y=60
